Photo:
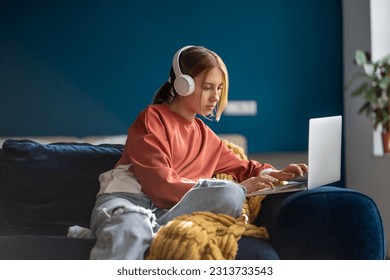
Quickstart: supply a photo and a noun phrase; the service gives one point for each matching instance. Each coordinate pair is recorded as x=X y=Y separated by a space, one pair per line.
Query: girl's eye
x=210 y=88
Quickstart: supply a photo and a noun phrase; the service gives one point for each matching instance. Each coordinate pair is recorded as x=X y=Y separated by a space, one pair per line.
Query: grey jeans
x=125 y=223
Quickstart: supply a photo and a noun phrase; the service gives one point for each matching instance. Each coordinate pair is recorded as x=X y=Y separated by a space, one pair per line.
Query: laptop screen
x=324 y=151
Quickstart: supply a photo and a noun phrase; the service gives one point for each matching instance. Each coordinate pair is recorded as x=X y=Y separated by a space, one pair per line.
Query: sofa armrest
x=324 y=223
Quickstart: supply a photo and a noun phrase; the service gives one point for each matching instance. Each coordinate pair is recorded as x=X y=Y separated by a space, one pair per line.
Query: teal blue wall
x=88 y=67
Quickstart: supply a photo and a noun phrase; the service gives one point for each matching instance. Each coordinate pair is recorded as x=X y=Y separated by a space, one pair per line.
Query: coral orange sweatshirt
x=169 y=154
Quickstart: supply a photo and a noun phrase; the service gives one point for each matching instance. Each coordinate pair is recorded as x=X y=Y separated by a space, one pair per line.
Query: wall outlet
x=241 y=108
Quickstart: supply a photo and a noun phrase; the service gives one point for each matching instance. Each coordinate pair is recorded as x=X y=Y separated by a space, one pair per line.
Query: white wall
x=364 y=172
x=380 y=28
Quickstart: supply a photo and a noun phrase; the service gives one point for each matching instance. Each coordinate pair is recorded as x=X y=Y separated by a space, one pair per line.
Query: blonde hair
x=194 y=61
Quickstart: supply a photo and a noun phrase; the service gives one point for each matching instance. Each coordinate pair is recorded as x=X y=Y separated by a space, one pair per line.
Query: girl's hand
x=290 y=172
x=260 y=182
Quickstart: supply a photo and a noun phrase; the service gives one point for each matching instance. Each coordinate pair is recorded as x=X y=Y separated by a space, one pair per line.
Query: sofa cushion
x=47 y=188
x=44 y=247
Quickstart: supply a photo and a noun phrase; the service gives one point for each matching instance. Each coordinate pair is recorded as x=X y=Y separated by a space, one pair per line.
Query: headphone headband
x=176 y=61
x=183 y=84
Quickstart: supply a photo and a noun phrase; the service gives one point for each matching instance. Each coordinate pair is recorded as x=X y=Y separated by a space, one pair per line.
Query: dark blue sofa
x=45 y=189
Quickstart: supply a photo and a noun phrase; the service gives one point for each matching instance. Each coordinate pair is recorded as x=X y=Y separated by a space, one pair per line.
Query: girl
x=169 y=159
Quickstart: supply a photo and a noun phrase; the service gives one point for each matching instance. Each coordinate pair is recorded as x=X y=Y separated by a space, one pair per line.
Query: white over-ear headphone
x=183 y=84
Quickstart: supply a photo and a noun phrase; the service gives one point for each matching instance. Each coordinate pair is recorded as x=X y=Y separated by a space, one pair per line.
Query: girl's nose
x=216 y=95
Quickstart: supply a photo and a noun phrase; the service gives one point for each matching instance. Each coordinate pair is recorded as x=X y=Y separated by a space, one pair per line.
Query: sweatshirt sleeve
x=151 y=157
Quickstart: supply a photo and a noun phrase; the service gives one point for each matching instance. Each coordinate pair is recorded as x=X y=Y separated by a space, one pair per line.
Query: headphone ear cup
x=184 y=85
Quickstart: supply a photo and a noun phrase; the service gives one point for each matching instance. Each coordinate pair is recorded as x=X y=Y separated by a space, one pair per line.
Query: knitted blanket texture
x=206 y=235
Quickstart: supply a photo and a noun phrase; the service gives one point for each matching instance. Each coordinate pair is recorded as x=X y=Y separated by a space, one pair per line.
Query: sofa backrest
x=45 y=188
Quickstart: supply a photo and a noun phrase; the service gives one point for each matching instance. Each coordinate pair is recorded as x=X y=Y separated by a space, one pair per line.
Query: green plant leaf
x=361 y=89
x=384 y=84
x=365 y=107
x=385 y=60
x=370 y=95
x=360 y=58
x=385 y=115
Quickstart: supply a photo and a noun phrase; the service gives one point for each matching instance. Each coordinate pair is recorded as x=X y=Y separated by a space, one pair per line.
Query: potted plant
x=374 y=87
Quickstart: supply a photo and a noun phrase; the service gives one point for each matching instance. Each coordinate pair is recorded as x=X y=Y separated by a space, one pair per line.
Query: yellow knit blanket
x=205 y=235
x=201 y=236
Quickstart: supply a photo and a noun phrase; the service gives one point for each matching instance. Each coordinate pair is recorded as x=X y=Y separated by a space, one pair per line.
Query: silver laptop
x=324 y=155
